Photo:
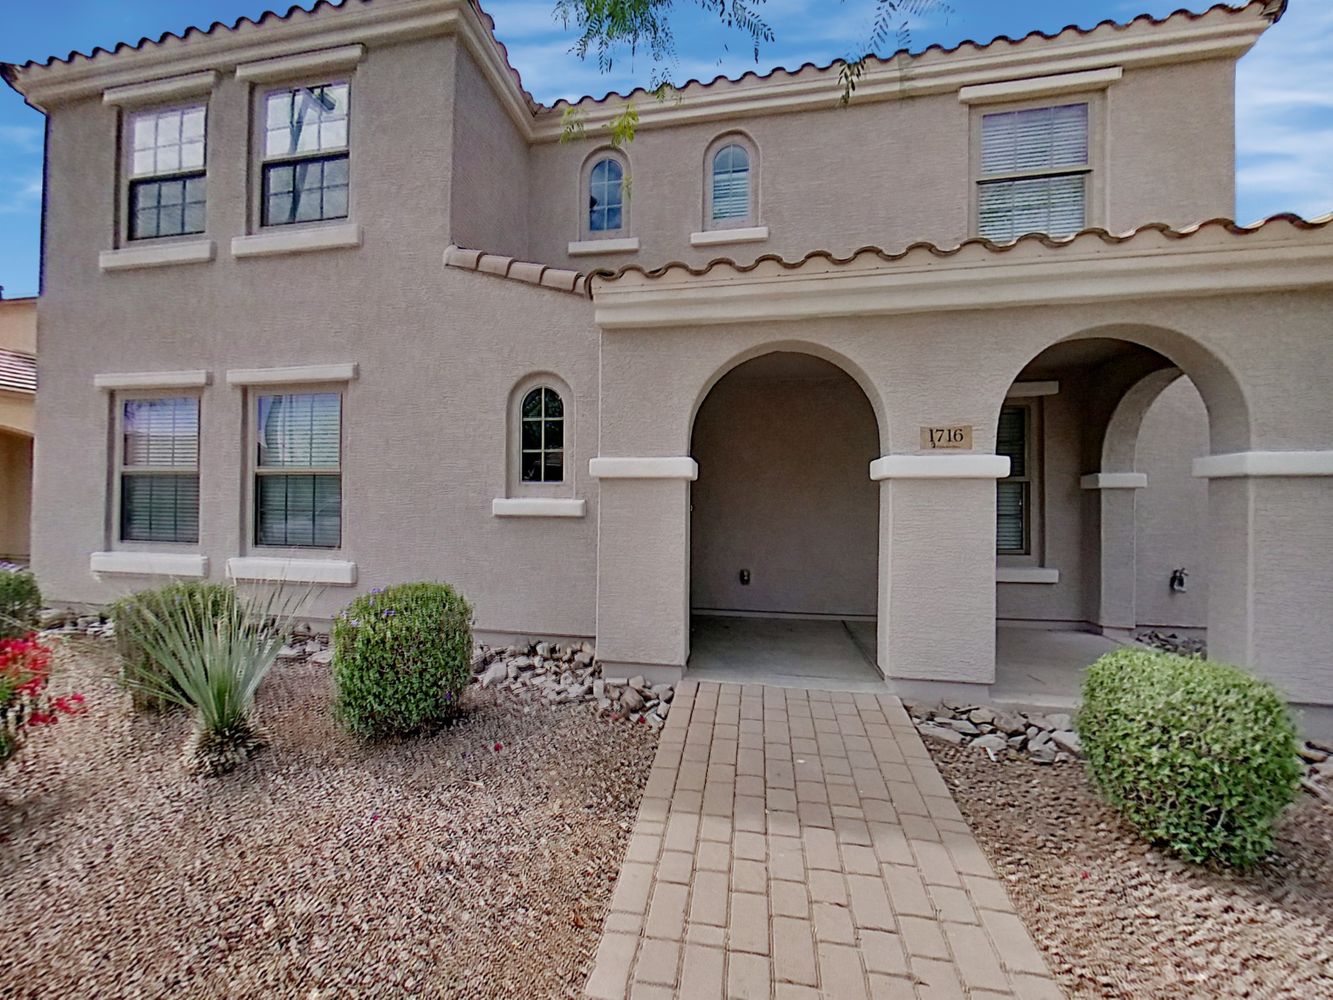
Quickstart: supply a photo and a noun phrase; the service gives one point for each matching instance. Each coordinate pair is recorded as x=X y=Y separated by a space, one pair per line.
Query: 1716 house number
x=956 y=436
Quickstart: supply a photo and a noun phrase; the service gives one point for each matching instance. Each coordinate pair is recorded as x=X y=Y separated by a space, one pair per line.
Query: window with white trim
x=1034 y=172
x=731 y=184
x=542 y=436
x=158 y=469
x=606 y=196
x=1013 y=494
x=167 y=176
x=298 y=470
x=305 y=168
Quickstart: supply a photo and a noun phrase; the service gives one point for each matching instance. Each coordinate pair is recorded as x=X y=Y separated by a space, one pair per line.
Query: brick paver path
x=796 y=845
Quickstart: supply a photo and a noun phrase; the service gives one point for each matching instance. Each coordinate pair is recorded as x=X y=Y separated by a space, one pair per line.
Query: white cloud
x=20 y=194
x=27 y=138
x=1284 y=118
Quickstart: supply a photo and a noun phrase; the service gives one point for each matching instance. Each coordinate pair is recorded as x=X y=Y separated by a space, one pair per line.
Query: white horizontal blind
x=159 y=485
x=1011 y=496
x=161 y=432
x=731 y=184
x=298 y=484
x=300 y=431
x=1051 y=143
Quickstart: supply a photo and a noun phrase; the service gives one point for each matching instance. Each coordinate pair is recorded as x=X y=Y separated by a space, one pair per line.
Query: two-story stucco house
x=326 y=299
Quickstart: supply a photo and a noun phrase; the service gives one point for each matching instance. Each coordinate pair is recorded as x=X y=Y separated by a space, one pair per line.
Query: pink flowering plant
x=25 y=702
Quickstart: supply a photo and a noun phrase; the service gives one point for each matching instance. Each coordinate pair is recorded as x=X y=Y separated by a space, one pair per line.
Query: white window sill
x=305 y=239
x=538 y=507
x=722 y=237
x=157 y=255
x=586 y=248
x=335 y=572
x=1026 y=574
x=150 y=564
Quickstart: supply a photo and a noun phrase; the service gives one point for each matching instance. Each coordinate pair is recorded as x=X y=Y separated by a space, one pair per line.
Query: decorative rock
x=981 y=716
x=941 y=734
x=638 y=684
x=1042 y=754
x=1067 y=740
x=494 y=674
x=631 y=700
x=994 y=742
x=1060 y=721
x=960 y=726
x=599 y=689
x=323 y=657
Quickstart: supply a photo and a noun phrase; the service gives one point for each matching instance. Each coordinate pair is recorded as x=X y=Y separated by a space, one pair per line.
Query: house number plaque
x=954 y=436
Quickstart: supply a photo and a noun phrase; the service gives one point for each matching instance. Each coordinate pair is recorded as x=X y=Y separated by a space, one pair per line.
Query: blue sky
x=1284 y=106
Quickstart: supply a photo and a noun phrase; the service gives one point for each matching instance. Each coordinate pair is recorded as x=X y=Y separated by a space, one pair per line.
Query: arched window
x=731 y=183
x=606 y=196
x=542 y=436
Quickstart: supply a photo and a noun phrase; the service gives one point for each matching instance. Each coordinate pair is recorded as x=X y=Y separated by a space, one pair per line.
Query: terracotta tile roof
x=516 y=270
x=1270 y=9
x=18 y=372
x=931 y=249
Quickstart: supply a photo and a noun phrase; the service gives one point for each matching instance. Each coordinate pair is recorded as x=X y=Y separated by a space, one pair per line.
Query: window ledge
x=302 y=240
x=586 y=248
x=538 y=507
x=721 y=237
x=152 y=380
x=190 y=85
x=150 y=564
x=157 y=255
x=1039 y=86
x=334 y=572
x=1026 y=574
x=344 y=57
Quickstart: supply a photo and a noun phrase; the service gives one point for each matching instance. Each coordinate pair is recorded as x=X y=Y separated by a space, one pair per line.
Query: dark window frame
x=295 y=163
x=543 y=420
x=1026 y=480
x=146 y=472
x=183 y=178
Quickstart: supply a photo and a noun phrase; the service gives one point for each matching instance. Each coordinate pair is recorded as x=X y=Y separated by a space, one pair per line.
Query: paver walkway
x=796 y=845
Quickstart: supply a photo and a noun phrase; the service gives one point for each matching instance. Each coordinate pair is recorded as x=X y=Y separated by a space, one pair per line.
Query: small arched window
x=606 y=196
x=731 y=183
x=542 y=436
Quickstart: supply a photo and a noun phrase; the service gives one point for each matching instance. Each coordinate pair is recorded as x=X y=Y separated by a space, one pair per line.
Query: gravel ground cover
x=476 y=862
x=1119 y=919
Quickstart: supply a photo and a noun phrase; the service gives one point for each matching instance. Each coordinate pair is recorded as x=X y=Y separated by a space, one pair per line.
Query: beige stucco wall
x=783 y=492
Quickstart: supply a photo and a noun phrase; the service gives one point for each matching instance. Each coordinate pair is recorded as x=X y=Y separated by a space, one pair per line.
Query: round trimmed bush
x=401 y=658
x=20 y=601
x=1197 y=755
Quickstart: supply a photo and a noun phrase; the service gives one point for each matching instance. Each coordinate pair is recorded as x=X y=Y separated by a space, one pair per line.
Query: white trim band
x=149 y=564
x=190 y=85
x=152 y=380
x=158 y=255
x=538 y=507
x=940 y=467
x=587 y=248
x=1039 y=86
x=722 y=237
x=292 y=376
x=334 y=572
x=302 y=64
x=303 y=240
x=1113 y=481
x=1026 y=390
x=682 y=467
x=1026 y=574
x=1264 y=463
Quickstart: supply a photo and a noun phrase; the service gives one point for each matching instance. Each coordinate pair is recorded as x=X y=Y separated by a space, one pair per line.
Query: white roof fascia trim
x=334 y=572
x=1264 y=463
x=344 y=57
x=1114 y=481
x=149 y=564
x=1040 y=86
x=728 y=297
x=153 y=380
x=161 y=255
x=292 y=375
x=538 y=507
x=1026 y=574
x=939 y=467
x=1026 y=390
x=190 y=85
x=682 y=467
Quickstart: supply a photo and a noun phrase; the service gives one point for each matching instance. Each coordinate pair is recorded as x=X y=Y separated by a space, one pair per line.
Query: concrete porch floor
x=1033 y=667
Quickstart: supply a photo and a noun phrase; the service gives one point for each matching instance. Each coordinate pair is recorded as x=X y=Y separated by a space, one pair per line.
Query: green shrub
x=142 y=675
x=401 y=658
x=20 y=601
x=1198 y=756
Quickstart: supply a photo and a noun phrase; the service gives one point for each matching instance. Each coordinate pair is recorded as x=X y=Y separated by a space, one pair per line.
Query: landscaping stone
x=1047 y=739
x=1068 y=741
x=940 y=733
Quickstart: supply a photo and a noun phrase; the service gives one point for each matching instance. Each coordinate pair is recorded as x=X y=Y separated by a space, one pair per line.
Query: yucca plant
x=211 y=657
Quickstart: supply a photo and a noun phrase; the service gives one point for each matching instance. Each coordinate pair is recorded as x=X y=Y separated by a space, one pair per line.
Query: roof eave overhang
x=1153 y=264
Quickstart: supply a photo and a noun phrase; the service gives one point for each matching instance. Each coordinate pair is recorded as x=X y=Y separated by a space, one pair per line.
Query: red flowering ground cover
x=25 y=704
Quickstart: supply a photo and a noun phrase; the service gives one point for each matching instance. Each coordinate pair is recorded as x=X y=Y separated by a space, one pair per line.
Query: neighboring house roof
x=516 y=270
x=18 y=372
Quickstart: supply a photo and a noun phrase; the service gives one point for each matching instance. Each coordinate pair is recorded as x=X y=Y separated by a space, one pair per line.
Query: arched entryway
x=784 y=522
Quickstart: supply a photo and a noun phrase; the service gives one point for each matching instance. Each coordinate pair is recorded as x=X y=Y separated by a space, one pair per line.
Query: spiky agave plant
x=211 y=658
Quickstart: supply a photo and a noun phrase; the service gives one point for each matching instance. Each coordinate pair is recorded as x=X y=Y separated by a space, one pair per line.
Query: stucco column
x=643 y=585
x=1270 y=573
x=1117 y=607
x=937 y=571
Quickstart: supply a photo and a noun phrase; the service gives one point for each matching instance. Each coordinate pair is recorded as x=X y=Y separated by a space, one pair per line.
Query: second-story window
x=305 y=155
x=167 y=172
x=1034 y=172
x=606 y=197
x=731 y=184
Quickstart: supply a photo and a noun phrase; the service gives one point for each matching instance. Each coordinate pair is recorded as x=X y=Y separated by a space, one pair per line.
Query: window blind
x=1015 y=142
x=731 y=184
x=1007 y=210
x=1049 y=142
x=298 y=481
x=1011 y=497
x=159 y=486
